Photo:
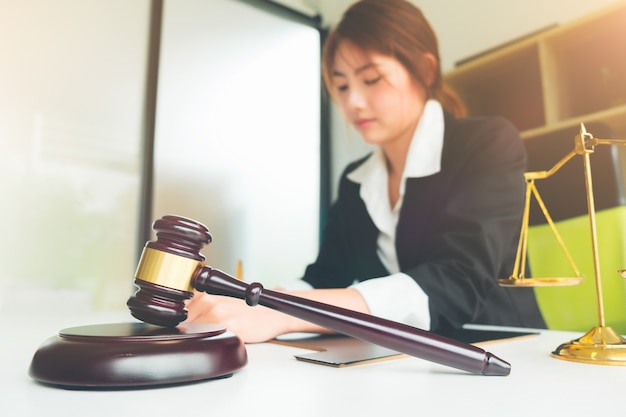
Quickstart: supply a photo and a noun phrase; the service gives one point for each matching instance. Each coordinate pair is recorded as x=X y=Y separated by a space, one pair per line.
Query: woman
x=424 y=226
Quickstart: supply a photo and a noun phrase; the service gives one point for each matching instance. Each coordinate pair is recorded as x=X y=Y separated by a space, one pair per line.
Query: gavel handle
x=392 y=335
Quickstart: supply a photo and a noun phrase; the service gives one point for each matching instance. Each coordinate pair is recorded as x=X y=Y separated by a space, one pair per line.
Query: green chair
x=575 y=308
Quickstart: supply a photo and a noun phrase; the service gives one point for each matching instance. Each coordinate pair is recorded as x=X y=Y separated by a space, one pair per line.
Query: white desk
x=275 y=384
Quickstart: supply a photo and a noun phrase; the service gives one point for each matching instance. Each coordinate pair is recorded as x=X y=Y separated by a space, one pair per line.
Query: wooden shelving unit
x=557 y=78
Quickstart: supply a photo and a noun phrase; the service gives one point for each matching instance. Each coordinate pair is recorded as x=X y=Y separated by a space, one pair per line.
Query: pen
x=239 y=270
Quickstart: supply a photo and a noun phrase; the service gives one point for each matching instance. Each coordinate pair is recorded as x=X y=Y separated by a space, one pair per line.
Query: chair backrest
x=564 y=194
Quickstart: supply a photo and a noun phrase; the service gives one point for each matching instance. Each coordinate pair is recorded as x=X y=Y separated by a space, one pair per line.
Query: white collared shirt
x=397 y=296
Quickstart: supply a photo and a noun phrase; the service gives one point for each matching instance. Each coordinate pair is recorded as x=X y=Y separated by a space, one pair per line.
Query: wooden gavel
x=171 y=268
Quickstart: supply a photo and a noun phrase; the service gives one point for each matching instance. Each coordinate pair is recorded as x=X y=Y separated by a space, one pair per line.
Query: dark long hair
x=394 y=28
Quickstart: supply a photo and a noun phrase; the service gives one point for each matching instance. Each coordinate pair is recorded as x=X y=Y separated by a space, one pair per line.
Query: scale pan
x=539 y=282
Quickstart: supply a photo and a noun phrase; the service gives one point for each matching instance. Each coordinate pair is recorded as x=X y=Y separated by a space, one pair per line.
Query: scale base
x=136 y=355
x=600 y=346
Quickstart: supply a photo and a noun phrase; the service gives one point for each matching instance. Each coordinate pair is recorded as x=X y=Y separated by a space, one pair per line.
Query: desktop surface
x=275 y=383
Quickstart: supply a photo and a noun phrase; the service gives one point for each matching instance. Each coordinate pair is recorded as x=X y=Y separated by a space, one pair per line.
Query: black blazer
x=457 y=231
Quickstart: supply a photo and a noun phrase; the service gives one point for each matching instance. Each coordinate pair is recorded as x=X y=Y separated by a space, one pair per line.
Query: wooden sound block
x=123 y=355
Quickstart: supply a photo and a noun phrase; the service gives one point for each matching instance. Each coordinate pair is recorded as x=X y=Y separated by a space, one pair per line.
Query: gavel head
x=166 y=270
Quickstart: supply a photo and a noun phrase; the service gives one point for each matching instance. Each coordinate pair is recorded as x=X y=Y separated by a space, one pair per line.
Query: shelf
x=590 y=61
x=509 y=86
x=614 y=117
x=553 y=79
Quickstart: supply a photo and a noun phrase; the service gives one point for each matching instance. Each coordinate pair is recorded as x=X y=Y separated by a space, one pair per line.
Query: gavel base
x=135 y=355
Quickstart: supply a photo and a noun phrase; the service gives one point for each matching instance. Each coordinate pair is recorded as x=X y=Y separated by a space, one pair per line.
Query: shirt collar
x=424 y=156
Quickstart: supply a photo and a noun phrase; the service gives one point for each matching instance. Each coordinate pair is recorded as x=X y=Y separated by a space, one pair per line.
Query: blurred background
x=114 y=113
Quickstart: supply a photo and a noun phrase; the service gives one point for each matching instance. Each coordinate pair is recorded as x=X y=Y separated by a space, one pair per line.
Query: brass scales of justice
x=600 y=345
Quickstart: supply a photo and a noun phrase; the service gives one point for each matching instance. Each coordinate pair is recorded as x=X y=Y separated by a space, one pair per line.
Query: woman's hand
x=260 y=324
x=251 y=324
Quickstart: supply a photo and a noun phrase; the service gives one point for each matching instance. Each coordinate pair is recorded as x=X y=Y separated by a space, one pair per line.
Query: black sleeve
x=348 y=247
x=466 y=235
